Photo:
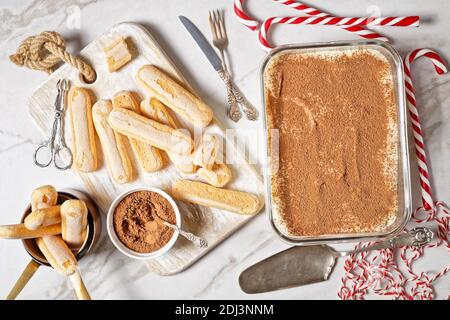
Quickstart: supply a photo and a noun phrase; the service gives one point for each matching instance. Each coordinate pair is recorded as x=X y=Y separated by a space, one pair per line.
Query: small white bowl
x=124 y=249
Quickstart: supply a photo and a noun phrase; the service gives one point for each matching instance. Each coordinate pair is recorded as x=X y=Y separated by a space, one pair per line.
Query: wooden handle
x=19 y=231
x=26 y=275
x=79 y=287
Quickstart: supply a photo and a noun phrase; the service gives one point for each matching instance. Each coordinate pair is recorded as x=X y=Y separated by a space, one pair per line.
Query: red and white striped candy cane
x=427 y=197
x=311 y=11
x=323 y=21
x=318 y=17
x=243 y=17
x=409 y=21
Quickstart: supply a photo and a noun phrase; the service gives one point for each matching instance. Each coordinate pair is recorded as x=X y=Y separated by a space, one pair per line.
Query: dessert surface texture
x=332 y=119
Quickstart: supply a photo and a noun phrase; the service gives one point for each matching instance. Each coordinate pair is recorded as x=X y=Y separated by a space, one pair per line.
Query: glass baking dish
x=403 y=170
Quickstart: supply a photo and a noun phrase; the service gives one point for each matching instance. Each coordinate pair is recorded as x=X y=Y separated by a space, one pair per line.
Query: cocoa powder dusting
x=135 y=223
x=336 y=117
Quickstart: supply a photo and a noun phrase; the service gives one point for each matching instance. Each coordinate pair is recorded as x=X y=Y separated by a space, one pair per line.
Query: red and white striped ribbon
x=379 y=272
x=427 y=197
x=366 y=272
x=317 y=17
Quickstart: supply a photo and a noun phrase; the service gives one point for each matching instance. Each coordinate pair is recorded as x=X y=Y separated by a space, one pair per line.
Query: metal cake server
x=303 y=265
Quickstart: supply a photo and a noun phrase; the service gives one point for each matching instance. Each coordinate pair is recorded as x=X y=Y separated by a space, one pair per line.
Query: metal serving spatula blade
x=293 y=267
x=299 y=266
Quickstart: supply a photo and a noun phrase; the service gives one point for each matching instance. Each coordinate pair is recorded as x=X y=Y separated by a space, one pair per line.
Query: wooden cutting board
x=212 y=224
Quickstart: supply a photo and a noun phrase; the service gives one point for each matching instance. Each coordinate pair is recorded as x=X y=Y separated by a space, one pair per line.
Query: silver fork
x=220 y=41
x=219 y=35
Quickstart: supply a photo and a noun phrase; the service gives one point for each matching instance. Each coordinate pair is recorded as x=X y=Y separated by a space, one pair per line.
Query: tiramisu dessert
x=332 y=120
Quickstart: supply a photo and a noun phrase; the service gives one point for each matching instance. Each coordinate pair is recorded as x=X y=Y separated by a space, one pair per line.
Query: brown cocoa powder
x=337 y=154
x=135 y=223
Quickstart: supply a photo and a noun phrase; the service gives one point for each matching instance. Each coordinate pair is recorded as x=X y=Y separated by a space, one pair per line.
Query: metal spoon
x=303 y=265
x=196 y=240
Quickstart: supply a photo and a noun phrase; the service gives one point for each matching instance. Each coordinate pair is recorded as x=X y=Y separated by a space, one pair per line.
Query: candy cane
x=354 y=24
x=264 y=29
x=243 y=17
x=427 y=198
x=311 y=11
x=412 y=21
x=408 y=21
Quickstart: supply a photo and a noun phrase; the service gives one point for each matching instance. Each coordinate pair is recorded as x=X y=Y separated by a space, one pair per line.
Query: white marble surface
x=110 y=275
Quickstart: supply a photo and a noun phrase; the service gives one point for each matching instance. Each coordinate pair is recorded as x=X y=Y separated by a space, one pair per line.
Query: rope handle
x=45 y=50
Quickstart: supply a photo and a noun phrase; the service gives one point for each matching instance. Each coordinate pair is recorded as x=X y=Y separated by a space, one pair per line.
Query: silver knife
x=234 y=95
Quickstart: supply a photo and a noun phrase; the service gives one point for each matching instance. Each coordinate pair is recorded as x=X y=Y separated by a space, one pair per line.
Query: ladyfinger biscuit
x=58 y=254
x=148 y=156
x=50 y=258
x=218 y=176
x=113 y=144
x=206 y=153
x=74 y=214
x=79 y=287
x=154 y=109
x=174 y=95
x=83 y=135
x=149 y=131
x=19 y=231
x=183 y=162
x=43 y=197
x=43 y=217
x=64 y=262
x=209 y=196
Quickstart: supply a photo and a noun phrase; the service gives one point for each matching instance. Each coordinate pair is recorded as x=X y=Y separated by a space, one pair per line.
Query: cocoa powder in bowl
x=135 y=223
